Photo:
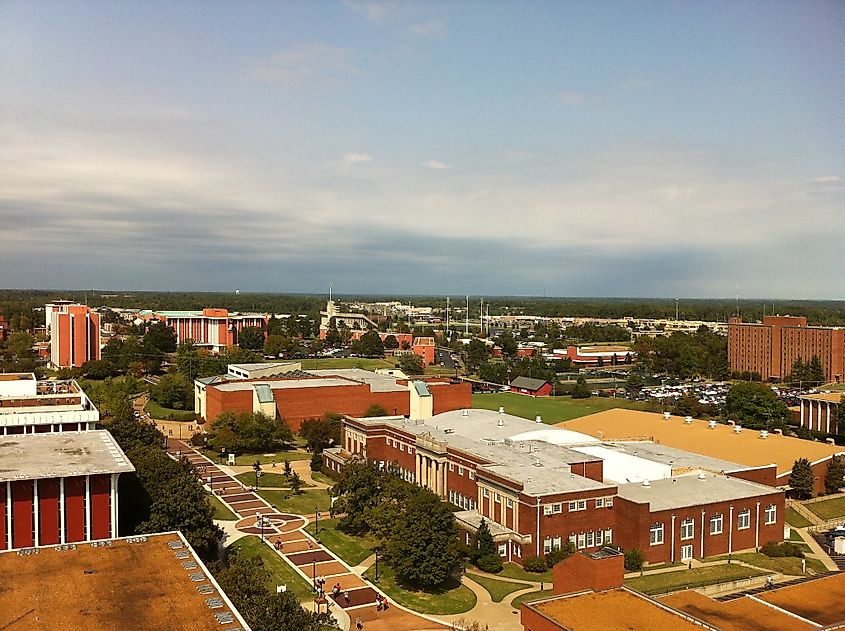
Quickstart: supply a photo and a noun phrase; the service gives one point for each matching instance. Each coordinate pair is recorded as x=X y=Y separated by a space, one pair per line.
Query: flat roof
x=821 y=600
x=148 y=583
x=378 y=382
x=741 y=614
x=283 y=384
x=17 y=376
x=833 y=397
x=60 y=454
x=721 y=443
x=692 y=490
x=612 y=610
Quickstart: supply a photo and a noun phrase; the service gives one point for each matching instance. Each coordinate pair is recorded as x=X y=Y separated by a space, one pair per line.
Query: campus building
x=531 y=387
x=299 y=395
x=74 y=335
x=596 y=355
x=818 y=412
x=352 y=321
x=59 y=488
x=538 y=486
x=771 y=347
x=28 y=406
x=212 y=329
x=147 y=582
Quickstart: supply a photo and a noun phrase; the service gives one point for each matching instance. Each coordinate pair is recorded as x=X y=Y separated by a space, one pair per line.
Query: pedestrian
x=346 y=598
x=378 y=602
x=384 y=603
x=359 y=624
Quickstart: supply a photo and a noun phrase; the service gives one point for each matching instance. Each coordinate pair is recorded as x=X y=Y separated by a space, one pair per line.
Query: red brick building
x=214 y=329
x=59 y=488
x=819 y=412
x=770 y=348
x=74 y=336
x=531 y=387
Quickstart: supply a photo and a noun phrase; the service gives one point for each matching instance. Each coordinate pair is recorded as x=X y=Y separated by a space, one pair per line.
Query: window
x=509 y=503
x=655 y=535
x=577 y=505
x=744 y=519
x=469 y=539
x=573 y=539
x=608 y=536
x=402 y=447
x=517 y=550
x=582 y=541
x=556 y=543
x=547 y=509
x=687 y=528
x=503 y=549
x=573 y=506
x=557 y=508
x=771 y=514
x=591 y=539
x=460 y=470
x=716 y=524
x=600 y=502
x=608 y=502
x=582 y=504
x=599 y=537
x=451 y=467
x=547 y=545
x=471 y=475
x=686 y=553
x=485 y=492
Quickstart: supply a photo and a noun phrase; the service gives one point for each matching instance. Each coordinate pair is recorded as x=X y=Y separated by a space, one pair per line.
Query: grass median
x=689 y=579
x=453 y=598
x=497 y=589
x=353 y=550
x=304 y=503
x=280 y=572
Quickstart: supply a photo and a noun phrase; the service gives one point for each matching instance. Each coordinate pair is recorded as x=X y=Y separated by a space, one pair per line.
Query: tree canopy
x=755 y=405
x=801 y=479
x=320 y=433
x=411 y=364
x=251 y=338
x=249 y=432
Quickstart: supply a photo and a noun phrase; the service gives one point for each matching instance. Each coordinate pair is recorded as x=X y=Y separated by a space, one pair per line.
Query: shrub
x=634 y=560
x=198 y=440
x=785 y=549
x=534 y=564
x=490 y=563
x=556 y=556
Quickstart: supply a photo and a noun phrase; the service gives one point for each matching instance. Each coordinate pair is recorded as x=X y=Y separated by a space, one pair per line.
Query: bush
x=490 y=563
x=198 y=440
x=556 y=556
x=634 y=560
x=534 y=564
x=785 y=549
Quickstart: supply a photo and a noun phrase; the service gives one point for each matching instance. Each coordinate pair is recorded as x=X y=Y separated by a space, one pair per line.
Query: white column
x=819 y=427
x=757 y=527
x=114 y=504
x=87 y=529
x=36 y=509
x=62 y=538
x=672 y=552
x=702 y=533
x=9 y=515
x=828 y=416
x=417 y=463
x=731 y=530
x=802 y=411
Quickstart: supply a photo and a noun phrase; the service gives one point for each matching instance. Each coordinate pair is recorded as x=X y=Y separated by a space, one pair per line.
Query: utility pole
x=447 y=317
x=466 y=330
x=676 y=309
x=481 y=316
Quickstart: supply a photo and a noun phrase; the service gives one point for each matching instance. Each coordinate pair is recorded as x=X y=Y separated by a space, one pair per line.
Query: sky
x=560 y=148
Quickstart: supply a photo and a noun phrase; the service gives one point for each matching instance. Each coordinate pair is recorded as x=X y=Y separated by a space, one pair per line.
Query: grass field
x=828 y=509
x=784 y=565
x=455 y=599
x=546 y=593
x=553 y=409
x=280 y=572
x=796 y=519
x=351 y=549
x=496 y=588
x=157 y=411
x=687 y=579
x=303 y=504
x=318 y=476
x=267 y=480
x=512 y=570
x=220 y=511
x=346 y=362
x=245 y=460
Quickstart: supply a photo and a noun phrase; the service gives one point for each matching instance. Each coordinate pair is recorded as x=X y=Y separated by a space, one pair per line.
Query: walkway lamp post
x=261 y=524
x=211 y=484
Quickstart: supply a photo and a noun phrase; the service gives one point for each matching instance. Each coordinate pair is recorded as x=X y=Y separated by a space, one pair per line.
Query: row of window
x=396 y=444
x=460 y=468
x=497 y=497
x=581 y=540
x=577 y=505
x=743 y=522
x=405 y=474
x=462 y=501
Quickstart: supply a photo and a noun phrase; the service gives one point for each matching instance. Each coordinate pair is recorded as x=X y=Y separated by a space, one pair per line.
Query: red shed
x=532 y=387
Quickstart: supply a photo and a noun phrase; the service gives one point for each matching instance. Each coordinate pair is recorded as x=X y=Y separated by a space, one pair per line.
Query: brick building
x=343 y=391
x=28 y=406
x=819 y=412
x=213 y=329
x=770 y=348
x=539 y=487
x=74 y=335
x=531 y=387
x=59 y=488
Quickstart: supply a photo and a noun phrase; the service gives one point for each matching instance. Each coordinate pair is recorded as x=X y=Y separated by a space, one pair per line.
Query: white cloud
x=429 y=27
x=309 y=63
x=573 y=98
x=373 y=11
x=416 y=19
x=357 y=157
x=436 y=164
x=827 y=179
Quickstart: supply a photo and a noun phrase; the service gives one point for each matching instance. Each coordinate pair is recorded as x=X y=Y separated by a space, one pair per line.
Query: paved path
x=804 y=511
x=499 y=616
x=285 y=534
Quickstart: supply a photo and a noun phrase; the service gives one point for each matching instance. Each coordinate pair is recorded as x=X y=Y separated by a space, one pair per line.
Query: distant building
x=57 y=306
x=4 y=328
x=596 y=355
x=424 y=347
x=770 y=348
x=352 y=321
x=28 y=406
x=74 y=335
x=213 y=329
x=531 y=387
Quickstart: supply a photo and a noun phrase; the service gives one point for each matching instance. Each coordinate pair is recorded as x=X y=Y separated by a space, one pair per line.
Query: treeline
x=681 y=355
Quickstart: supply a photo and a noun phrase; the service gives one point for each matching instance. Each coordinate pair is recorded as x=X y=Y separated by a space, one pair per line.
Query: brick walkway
x=299 y=549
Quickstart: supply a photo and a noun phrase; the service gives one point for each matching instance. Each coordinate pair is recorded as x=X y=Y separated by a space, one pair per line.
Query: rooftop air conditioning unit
x=449 y=430
x=539 y=419
x=701 y=476
x=501 y=410
x=688 y=420
x=501 y=423
x=646 y=483
x=737 y=429
x=464 y=412
x=667 y=415
x=764 y=433
x=711 y=424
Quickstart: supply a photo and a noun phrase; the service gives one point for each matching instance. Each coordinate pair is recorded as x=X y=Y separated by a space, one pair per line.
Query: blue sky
x=567 y=148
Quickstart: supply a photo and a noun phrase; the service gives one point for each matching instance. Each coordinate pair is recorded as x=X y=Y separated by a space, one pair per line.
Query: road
x=443 y=358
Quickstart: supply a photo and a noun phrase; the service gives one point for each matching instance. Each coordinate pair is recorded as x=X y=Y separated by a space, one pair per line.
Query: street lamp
x=211 y=484
x=261 y=524
x=317 y=521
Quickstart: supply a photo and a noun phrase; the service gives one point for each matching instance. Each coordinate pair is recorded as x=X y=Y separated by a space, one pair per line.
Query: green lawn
x=796 y=519
x=512 y=570
x=784 y=565
x=280 y=572
x=267 y=480
x=303 y=504
x=497 y=589
x=318 y=476
x=246 y=460
x=351 y=549
x=455 y=599
x=686 y=579
x=794 y=535
x=552 y=409
x=160 y=412
x=660 y=566
x=546 y=593
x=346 y=362
x=828 y=509
x=220 y=510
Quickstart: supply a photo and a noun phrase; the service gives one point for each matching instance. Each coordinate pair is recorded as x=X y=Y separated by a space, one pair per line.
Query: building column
x=87 y=508
x=37 y=510
x=9 y=516
x=757 y=527
x=702 y=533
x=672 y=551
x=819 y=421
x=62 y=525
x=417 y=468
x=731 y=530
x=828 y=417
x=113 y=490
x=801 y=403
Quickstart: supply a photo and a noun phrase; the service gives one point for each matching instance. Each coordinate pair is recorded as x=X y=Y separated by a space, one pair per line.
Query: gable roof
x=528 y=383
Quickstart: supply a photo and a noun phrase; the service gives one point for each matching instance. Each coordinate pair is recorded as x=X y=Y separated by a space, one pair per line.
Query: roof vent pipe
x=501 y=423
x=646 y=483
x=539 y=419
x=711 y=424
x=667 y=415
x=737 y=429
x=764 y=433
x=465 y=413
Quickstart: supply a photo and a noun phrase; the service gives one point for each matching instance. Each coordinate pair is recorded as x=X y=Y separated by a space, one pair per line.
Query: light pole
x=317 y=521
x=261 y=524
x=211 y=484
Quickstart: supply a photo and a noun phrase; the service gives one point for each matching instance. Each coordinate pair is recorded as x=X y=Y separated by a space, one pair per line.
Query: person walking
x=359 y=624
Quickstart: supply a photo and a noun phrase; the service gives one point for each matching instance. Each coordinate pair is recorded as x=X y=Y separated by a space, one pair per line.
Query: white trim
x=62 y=523
x=36 y=510
x=9 y=515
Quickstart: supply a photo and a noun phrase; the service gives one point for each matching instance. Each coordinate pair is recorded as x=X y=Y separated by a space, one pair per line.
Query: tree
x=371 y=345
x=802 y=479
x=174 y=391
x=423 y=549
x=251 y=337
x=476 y=354
x=249 y=432
x=391 y=343
x=161 y=337
x=484 y=544
x=634 y=383
x=816 y=371
x=634 y=560
x=375 y=410
x=755 y=405
x=581 y=389
x=99 y=369
x=295 y=483
x=320 y=433
x=187 y=360
x=508 y=344
x=834 y=479
x=19 y=345
x=411 y=364
x=274 y=345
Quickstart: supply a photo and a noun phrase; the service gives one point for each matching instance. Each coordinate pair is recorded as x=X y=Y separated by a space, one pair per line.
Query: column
x=62 y=537
x=87 y=508
x=827 y=405
x=418 y=468
x=819 y=416
x=37 y=509
x=757 y=527
x=802 y=411
x=9 y=516
x=113 y=490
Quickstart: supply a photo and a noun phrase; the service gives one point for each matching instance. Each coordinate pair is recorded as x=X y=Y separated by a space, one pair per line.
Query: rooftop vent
x=501 y=409
x=449 y=430
x=537 y=462
x=646 y=483
x=764 y=433
x=779 y=432
x=701 y=476
x=688 y=420
x=501 y=423
x=667 y=415
x=731 y=422
x=711 y=424
x=737 y=429
x=464 y=412
x=539 y=419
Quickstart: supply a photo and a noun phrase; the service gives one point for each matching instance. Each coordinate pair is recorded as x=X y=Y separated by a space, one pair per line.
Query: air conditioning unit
x=667 y=415
x=737 y=429
x=501 y=410
x=464 y=412
x=688 y=420
x=764 y=433
x=646 y=483
x=711 y=424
